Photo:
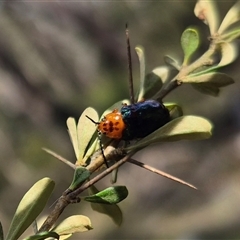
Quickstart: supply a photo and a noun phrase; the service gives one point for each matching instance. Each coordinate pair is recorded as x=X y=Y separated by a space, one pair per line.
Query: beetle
x=134 y=121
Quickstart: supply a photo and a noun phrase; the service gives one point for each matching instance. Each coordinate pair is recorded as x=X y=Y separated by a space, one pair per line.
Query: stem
x=71 y=197
x=108 y=153
x=76 y=192
x=61 y=204
x=166 y=90
x=205 y=59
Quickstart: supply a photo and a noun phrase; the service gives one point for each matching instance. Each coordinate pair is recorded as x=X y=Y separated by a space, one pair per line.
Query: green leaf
x=111 y=195
x=207 y=88
x=82 y=133
x=43 y=235
x=113 y=211
x=175 y=110
x=1 y=232
x=214 y=78
x=229 y=53
x=141 y=57
x=163 y=73
x=30 y=207
x=73 y=224
x=91 y=149
x=72 y=131
x=85 y=131
x=152 y=85
x=209 y=83
x=81 y=174
x=182 y=128
x=190 y=43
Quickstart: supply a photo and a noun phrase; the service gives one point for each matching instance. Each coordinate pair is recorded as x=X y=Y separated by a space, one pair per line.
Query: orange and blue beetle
x=134 y=121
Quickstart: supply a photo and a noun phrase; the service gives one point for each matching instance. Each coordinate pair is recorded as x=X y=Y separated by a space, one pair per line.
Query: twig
x=164 y=91
x=61 y=204
x=71 y=197
x=75 y=193
x=62 y=159
x=186 y=70
x=159 y=172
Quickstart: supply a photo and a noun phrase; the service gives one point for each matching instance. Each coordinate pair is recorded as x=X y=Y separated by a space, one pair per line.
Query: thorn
x=130 y=79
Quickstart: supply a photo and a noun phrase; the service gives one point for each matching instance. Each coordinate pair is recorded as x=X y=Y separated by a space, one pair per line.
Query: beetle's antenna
x=130 y=75
x=91 y=119
x=99 y=138
x=101 y=147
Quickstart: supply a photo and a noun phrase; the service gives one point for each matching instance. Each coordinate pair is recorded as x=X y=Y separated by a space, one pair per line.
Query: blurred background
x=57 y=58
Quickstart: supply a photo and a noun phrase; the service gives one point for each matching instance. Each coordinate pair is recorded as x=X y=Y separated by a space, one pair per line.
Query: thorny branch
x=72 y=196
x=69 y=197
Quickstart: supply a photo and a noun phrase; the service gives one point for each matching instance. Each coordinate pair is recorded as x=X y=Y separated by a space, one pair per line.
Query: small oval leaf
x=214 y=78
x=73 y=224
x=43 y=235
x=152 y=84
x=91 y=149
x=229 y=53
x=30 y=207
x=81 y=174
x=163 y=73
x=174 y=109
x=113 y=211
x=72 y=131
x=111 y=195
x=206 y=88
x=85 y=131
x=182 y=128
x=190 y=43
